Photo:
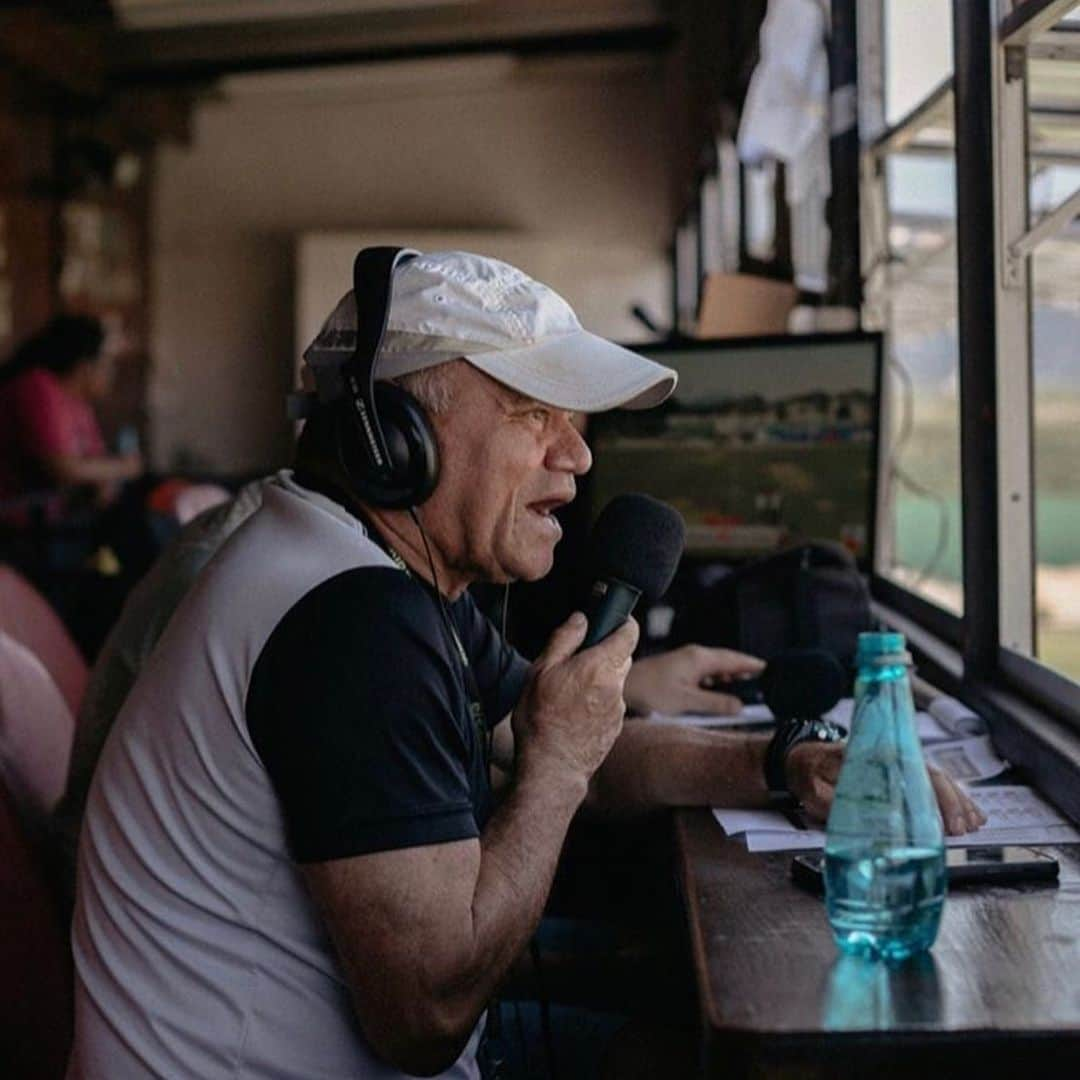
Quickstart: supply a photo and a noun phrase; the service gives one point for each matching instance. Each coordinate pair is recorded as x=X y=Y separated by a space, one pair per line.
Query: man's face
x=507 y=462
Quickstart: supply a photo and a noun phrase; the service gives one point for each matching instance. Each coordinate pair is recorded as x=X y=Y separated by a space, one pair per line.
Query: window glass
x=911 y=73
x=922 y=477
x=1055 y=273
x=1054 y=170
x=919 y=540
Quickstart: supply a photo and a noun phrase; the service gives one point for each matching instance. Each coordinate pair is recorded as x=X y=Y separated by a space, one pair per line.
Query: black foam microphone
x=634 y=550
x=802 y=684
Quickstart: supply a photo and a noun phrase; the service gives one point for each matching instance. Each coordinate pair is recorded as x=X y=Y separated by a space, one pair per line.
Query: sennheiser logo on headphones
x=336 y=339
x=361 y=411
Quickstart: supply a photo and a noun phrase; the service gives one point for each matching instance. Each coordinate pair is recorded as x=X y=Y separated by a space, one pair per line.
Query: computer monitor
x=766 y=442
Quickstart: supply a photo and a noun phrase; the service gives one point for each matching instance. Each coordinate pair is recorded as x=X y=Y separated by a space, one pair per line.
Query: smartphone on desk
x=997 y=864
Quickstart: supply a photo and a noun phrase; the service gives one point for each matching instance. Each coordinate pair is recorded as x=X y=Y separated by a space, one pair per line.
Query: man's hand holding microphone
x=572 y=709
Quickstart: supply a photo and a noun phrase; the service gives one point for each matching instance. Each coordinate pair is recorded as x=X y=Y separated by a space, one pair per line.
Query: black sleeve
x=500 y=670
x=355 y=712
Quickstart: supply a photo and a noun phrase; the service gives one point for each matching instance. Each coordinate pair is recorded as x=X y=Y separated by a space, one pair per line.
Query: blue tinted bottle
x=884 y=845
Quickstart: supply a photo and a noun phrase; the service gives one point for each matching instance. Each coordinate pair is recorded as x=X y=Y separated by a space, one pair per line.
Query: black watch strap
x=787 y=736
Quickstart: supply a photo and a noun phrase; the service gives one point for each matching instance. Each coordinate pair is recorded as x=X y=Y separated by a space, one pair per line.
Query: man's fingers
x=565 y=641
x=976 y=819
x=710 y=703
x=719 y=665
x=819 y=802
x=620 y=644
x=958 y=812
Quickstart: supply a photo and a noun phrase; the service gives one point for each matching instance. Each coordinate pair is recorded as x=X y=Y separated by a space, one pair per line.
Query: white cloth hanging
x=786 y=118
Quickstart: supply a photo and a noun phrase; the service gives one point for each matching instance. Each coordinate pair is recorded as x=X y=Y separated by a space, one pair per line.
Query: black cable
x=893 y=469
x=493 y=1027
x=502 y=619
x=545 y=1009
x=504 y=667
x=522 y=1039
x=471 y=687
x=431 y=561
x=534 y=947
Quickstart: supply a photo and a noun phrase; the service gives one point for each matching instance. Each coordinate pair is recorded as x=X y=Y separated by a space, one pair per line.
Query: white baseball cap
x=451 y=304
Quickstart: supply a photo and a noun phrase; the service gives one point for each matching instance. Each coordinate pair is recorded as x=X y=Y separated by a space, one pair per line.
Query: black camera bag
x=809 y=596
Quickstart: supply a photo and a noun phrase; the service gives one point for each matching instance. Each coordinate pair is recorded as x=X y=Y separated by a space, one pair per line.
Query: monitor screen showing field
x=762 y=445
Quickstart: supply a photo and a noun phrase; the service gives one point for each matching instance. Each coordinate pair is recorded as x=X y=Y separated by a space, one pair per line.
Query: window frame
x=881 y=140
x=996 y=634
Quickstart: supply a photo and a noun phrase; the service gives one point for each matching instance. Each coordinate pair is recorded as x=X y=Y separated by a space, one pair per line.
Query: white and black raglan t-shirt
x=305 y=703
x=414 y=771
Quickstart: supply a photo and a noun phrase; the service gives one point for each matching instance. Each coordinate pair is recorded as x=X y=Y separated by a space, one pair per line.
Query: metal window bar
x=1049 y=225
x=1015 y=573
x=1058 y=44
x=1017 y=241
x=1030 y=19
x=934 y=108
x=880 y=273
x=973 y=82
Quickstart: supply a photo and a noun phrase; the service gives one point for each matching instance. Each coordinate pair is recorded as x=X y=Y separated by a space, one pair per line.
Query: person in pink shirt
x=50 y=441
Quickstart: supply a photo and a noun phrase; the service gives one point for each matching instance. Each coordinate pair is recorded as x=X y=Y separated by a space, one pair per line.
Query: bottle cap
x=882 y=650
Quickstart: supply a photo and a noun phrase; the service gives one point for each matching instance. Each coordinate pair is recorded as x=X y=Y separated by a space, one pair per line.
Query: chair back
x=27 y=616
x=36 y=733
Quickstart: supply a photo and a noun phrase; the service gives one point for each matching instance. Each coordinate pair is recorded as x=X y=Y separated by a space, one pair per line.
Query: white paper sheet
x=955 y=717
x=1015 y=815
x=927 y=727
x=966 y=760
x=812 y=840
x=750 y=714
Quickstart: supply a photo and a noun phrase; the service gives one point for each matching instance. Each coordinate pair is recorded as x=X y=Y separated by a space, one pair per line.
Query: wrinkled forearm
x=653 y=766
x=520 y=849
x=424 y=1026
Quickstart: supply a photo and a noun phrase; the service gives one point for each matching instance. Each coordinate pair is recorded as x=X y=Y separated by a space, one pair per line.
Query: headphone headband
x=373 y=287
x=385 y=443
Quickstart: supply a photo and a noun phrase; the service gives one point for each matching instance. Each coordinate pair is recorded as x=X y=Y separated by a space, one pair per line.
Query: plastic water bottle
x=884 y=846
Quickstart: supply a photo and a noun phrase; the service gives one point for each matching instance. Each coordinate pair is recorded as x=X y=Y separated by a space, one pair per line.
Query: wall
x=566 y=155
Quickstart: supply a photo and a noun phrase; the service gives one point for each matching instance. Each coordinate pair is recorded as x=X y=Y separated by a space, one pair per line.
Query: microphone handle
x=609 y=605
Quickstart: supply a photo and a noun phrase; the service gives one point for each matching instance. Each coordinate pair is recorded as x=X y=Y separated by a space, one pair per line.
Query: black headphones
x=384 y=438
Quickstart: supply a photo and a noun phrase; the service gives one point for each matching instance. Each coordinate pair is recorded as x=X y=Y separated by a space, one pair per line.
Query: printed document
x=1015 y=815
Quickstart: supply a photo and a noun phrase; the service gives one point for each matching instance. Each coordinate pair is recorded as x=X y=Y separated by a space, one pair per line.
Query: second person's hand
x=690 y=679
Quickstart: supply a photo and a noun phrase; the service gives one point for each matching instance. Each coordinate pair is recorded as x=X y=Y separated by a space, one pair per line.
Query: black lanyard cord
x=472 y=688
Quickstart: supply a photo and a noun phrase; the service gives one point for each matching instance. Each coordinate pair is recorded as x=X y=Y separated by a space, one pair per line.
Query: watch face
x=827 y=731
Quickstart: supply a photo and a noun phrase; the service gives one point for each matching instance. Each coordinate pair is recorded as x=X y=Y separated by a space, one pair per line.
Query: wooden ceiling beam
x=59 y=54
x=194 y=52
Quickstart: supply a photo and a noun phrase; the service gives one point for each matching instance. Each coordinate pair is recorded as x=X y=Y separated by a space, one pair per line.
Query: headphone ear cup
x=411 y=443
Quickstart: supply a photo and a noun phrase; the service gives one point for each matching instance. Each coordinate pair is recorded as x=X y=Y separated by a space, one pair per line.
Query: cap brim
x=579 y=371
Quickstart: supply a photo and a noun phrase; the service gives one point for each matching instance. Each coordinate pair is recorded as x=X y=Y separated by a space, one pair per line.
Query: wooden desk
x=999 y=992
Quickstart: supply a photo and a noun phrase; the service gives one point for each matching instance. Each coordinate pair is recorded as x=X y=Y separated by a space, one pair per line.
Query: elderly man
x=292 y=863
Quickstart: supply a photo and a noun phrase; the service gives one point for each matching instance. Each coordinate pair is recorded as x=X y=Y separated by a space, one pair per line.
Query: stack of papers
x=953 y=740
x=1015 y=815
x=927 y=724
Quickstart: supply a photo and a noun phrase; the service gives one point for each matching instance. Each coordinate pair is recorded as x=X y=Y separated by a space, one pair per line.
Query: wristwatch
x=788 y=735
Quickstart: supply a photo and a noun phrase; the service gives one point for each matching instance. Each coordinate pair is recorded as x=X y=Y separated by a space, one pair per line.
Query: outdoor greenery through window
x=924 y=455
x=922 y=547
x=1055 y=331
x=911 y=259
